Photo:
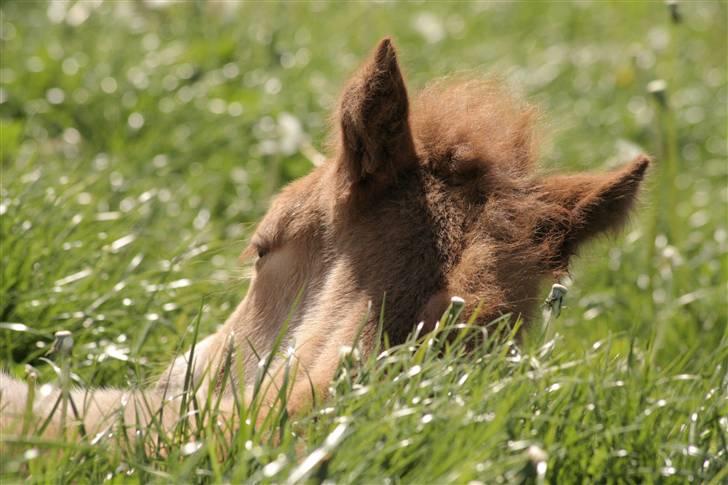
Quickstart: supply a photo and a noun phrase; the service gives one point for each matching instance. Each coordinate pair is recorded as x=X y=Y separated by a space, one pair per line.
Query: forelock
x=474 y=124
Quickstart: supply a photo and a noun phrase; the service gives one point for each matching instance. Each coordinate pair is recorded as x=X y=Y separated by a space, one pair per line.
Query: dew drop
x=55 y=95
x=136 y=120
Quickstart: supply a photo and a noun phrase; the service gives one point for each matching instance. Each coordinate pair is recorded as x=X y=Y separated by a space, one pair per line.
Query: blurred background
x=141 y=139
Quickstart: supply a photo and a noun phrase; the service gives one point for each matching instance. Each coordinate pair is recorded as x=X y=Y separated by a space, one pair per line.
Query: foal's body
x=415 y=206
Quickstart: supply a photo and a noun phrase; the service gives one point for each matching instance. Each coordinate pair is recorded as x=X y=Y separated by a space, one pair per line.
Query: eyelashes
x=261 y=247
x=255 y=251
x=261 y=251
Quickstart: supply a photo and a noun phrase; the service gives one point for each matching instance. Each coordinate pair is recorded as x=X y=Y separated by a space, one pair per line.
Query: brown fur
x=415 y=206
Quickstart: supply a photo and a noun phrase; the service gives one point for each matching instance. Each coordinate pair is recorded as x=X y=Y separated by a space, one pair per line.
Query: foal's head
x=421 y=201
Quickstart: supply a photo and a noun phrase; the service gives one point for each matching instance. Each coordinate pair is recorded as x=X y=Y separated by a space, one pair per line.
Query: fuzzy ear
x=376 y=141
x=588 y=205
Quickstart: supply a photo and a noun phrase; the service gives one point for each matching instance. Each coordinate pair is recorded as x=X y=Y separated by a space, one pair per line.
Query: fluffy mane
x=462 y=125
x=467 y=123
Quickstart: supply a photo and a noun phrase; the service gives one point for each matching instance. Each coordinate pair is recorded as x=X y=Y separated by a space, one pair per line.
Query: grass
x=139 y=144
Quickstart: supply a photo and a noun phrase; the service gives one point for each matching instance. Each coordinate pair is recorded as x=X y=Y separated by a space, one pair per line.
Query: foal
x=419 y=203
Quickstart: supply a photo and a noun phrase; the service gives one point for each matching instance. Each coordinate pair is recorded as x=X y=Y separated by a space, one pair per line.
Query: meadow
x=140 y=141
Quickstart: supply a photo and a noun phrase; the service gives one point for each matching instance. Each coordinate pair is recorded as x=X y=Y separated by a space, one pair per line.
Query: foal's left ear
x=591 y=204
x=376 y=141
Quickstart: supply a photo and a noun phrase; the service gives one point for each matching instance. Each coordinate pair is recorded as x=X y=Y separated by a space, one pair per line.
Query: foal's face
x=414 y=208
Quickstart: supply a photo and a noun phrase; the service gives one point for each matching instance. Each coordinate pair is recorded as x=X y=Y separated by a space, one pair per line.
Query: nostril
x=434 y=308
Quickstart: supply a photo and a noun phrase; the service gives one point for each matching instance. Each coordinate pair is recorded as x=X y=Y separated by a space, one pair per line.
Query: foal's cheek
x=278 y=281
x=274 y=277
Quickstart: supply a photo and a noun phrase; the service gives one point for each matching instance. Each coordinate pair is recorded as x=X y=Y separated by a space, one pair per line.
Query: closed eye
x=262 y=251
x=257 y=250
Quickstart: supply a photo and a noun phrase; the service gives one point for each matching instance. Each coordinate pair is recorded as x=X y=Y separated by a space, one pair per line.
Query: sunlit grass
x=430 y=411
x=139 y=144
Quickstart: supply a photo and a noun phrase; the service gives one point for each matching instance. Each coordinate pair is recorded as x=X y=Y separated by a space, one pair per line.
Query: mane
x=478 y=127
x=464 y=124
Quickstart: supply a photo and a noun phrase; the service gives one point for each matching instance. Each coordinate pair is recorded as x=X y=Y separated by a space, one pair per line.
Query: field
x=140 y=141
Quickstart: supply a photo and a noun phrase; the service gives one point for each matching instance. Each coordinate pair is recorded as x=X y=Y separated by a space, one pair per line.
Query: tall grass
x=430 y=411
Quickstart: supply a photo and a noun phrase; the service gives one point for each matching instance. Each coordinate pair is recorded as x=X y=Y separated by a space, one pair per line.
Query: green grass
x=139 y=146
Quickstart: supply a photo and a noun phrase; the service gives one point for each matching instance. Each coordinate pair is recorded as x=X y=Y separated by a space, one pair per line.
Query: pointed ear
x=588 y=205
x=375 y=138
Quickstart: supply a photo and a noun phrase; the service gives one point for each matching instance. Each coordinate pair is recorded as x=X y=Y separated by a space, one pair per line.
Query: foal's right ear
x=376 y=141
x=592 y=203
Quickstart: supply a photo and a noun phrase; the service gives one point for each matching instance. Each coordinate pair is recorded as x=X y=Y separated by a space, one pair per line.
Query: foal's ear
x=590 y=205
x=376 y=141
